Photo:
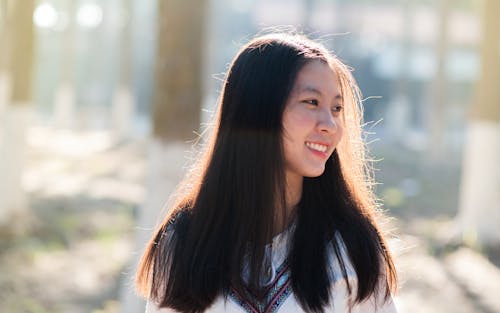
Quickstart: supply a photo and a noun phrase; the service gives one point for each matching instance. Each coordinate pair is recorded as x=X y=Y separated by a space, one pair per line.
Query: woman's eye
x=312 y=102
x=337 y=108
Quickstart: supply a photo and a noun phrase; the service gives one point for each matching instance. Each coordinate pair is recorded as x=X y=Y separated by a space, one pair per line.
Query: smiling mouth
x=316 y=146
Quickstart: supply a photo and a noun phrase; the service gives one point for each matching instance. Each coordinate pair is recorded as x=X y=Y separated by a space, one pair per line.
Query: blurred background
x=102 y=101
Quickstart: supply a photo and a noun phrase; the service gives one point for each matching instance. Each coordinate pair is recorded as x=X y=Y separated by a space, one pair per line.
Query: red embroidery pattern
x=274 y=295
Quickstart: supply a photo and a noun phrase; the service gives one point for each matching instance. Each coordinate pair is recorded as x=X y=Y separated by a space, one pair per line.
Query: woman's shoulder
x=178 y=217
x=338 y=259
x=173 y=228
x=339 y=255
x=177 y=220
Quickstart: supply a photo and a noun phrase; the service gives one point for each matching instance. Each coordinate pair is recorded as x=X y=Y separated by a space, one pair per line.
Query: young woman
x=278 y=215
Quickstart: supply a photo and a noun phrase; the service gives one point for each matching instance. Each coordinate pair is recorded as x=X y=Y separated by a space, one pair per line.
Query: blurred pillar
x=438 y=100
x=176 y=115
x=479 y=205
x=20 y=57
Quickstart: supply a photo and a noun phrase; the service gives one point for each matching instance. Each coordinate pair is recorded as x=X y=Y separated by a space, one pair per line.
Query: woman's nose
x=327 y=122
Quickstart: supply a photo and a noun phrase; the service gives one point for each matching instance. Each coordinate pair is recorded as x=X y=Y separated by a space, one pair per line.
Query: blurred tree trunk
x=176 y=113
x=123 y=108
x=4 y=80
x=398 y=110
x=65 y=102
x=176 y=108
x=479 y=207
x=438 y=102
x=21 y=43
x=308 y=14
x=20 y=46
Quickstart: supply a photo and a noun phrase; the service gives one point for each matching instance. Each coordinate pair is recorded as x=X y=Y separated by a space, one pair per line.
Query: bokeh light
x=89 y=15
x=45 y=16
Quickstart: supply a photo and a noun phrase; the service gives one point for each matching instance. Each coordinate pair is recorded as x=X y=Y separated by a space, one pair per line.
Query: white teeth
x=317 y=146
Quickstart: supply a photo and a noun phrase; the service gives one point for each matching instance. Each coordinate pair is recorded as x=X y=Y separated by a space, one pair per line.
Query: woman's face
x=312 y=125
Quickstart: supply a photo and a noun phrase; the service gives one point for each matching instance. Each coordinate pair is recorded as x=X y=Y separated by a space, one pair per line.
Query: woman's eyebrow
x=312 y=89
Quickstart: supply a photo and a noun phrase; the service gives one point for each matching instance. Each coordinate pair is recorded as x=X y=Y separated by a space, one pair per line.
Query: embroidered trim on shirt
x=275 y=294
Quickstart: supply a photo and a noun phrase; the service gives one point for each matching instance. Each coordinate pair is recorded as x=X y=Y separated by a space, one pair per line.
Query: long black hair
x=227 y=211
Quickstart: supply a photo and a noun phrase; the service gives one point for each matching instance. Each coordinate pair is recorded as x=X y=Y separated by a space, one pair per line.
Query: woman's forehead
x=318 y=78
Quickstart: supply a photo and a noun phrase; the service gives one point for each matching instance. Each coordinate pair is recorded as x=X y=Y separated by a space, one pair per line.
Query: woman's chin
x=315 y=173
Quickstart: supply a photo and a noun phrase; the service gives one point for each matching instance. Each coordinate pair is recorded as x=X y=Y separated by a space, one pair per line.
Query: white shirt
x=280 y=296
